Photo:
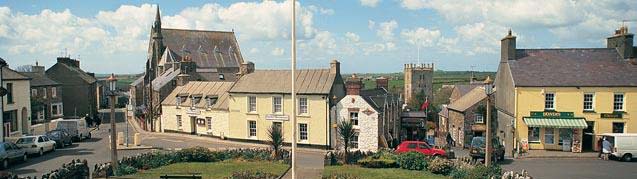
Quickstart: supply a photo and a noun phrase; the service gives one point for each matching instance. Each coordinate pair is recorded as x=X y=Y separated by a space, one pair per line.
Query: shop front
x=559 y=131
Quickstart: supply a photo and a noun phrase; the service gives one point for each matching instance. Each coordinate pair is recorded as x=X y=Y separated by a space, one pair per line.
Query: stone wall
x=368 y=125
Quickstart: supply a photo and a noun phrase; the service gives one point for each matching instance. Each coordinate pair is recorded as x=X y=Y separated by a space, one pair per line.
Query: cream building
x=16 y=104
x=197 y=107
x=262 y=98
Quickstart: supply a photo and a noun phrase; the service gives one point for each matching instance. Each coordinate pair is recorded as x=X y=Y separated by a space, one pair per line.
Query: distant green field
x=396 y=81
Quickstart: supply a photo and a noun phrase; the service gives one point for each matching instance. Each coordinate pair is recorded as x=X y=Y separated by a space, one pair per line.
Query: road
x=573 y=168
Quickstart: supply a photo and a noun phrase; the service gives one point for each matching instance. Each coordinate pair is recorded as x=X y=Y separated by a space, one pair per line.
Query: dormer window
x=195 y=99
x=180 y=99
x=211 y=100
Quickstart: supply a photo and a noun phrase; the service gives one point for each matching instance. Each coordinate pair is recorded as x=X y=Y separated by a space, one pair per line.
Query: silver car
x=10 y=152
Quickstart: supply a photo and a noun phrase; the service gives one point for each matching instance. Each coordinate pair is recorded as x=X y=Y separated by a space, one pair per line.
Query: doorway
x=25 y=121
x=193 y=124
x=588 y=137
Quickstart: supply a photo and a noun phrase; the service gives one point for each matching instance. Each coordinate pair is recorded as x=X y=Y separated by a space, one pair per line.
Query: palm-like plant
x=346 y=131
x=276 y=139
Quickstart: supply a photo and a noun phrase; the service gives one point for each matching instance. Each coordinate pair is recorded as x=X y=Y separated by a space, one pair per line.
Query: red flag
x=424 y=105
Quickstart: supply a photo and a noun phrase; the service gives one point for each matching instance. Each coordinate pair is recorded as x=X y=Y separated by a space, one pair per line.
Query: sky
x=364 y=35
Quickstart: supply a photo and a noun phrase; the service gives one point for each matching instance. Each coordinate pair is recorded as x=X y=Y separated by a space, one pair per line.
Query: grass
x=373 y=173
x=213 y=169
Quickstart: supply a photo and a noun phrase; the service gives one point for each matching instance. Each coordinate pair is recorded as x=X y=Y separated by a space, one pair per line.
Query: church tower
x=418 y=80
x=156 y=48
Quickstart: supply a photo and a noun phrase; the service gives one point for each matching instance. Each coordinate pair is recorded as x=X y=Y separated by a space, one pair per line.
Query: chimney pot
x=354 y=85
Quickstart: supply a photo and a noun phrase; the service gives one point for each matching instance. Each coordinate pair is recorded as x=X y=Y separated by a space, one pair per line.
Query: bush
x=412 y=161
x=482 y=171
x=459 y=173
x=340 y=176
x=125 y=170
x=196 y=154
x=440 y=166
x=378 y=163
x=252 y=175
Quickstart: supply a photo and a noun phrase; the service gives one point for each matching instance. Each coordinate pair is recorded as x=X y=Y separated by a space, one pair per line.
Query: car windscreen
x=477 y=142
x=25 y=140
x=54 y=134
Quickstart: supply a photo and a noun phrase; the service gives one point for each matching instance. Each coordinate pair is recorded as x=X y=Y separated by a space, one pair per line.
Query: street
x=573 y=168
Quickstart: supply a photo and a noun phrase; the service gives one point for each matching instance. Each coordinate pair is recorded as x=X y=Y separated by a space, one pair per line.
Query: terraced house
x=262 y=98
x=564 y=98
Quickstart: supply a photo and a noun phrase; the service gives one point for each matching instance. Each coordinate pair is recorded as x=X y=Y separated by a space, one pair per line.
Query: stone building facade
x=418 y=81
x=46 y=96
x=75 y=81
x=16 y=119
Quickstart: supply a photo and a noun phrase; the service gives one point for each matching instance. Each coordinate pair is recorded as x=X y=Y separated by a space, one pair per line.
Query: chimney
x=335 y=67
x=183 y=79
x=37 y=68
x=68 y=61
x=623 y=42
x=507 y=48
x=382 y=82
x=354 y=85
x=246 y=68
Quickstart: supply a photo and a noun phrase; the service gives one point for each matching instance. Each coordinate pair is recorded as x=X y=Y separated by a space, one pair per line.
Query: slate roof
x=79 y=72
x=166 y=77
x=471 y=98
x=40 y=79
x=308 y=81
x=464 y=89
x=9 y=74
x=209 y=49
x=203 y=89
x=601 y=67
x=138 y=80
x=377 y=97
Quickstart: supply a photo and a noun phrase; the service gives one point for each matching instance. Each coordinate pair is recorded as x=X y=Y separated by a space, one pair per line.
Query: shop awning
x=579 y=123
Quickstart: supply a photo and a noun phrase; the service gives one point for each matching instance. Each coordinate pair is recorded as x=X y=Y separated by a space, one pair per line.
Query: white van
x=75 y=127
x=624 y=145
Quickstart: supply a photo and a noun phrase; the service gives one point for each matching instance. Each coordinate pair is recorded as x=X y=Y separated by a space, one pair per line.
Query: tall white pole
x=293 y=115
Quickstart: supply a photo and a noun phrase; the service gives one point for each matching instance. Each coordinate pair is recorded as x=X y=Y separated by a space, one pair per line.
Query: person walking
x=88 y=120
x=606 y=148
x=98 y=121
x=450 y=140
x=599 y=147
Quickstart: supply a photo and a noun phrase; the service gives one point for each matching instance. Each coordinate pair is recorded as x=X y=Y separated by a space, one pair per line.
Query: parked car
x=477 y=148
x=10 y=152
x=624 y=146
x=421 y=147
x=75 y=127
x=61 y=138
x=36 y=144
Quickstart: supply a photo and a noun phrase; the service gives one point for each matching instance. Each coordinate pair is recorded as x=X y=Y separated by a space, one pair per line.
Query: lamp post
x=488 y=89
x=293 y=49
x=112 y=93
x=2 y=93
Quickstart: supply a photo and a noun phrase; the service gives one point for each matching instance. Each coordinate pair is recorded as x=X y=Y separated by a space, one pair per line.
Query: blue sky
x=365 y=35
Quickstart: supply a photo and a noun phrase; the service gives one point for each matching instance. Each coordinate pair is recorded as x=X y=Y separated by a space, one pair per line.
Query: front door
x=193 y=124
x=25 y=121
x=589 y=136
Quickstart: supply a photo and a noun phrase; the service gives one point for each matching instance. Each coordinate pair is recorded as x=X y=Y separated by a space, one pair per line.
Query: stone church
x=183 y=54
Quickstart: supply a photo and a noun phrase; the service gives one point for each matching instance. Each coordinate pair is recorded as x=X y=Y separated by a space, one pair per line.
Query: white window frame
x=552 y=101
x=54 y=92
x=209 y=123
x=274 y=105
x=41 y=115
x=179 y=121
x=551 y=135
x=303 y=135
x=619 y=103
x=591 y=102
x=252 y=131
x=303 y=108
x=178 y=101
x=354 y=120
x=252 y=104
x=44 y=93
x=34 y=92
x=479 y=118
x=58 y=111
x=354 y=141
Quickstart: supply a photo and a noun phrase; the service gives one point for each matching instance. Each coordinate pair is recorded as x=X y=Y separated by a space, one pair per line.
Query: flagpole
x=293 y=115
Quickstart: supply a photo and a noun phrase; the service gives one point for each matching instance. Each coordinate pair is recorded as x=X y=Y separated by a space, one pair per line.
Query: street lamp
x=112 y=81
x=488 y=89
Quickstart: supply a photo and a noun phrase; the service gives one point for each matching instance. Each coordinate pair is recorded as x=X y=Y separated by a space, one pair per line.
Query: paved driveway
x=574 y=168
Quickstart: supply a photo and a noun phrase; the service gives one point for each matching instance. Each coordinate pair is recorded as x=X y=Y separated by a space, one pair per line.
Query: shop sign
x=193 y=111
x=276 y=117
x=551 y=114
x=611 y=115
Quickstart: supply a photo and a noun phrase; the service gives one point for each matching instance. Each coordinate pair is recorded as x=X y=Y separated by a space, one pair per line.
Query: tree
x=276 y=139
x=346 y=131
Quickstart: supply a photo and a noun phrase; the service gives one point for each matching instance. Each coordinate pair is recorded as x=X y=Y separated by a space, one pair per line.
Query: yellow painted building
x=262 y=98
x=563 y=99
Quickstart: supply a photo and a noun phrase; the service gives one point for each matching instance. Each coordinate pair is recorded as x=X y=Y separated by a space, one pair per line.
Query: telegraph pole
x=293 y=115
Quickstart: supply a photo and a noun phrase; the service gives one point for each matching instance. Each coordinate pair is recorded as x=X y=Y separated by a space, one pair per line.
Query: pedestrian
x=606 y=148
x=599 y=147
x=98 y=121
x=450 y=142
x=88 y=120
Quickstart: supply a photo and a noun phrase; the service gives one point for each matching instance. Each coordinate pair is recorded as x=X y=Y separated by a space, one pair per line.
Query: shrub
x=482 y=171
x=252 y=175
x=378 y=163
x=459 y=173
x=196 y=154
x=412 y=161
x=125 y=170
x=340 y=176
x=440 y=166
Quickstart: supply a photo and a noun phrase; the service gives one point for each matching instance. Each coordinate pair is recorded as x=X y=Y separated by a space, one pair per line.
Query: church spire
x=156 y=32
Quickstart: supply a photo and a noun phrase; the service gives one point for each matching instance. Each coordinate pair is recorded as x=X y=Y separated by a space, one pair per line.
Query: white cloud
x=481 y=37
x=254 y=50
x=370 y=3
x=413 y=4
x=320 y=10
x=374 y=48
x=386 y=30
x=352 y=37
x=371 y=24
x=421 y=36
x=325 y=41
x=277 y=51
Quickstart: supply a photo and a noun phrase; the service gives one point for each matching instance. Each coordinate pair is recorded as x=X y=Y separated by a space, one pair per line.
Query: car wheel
x=53 y=148
x=24 y=157
x=41 y=152
x=5 y=164
x=627 y=158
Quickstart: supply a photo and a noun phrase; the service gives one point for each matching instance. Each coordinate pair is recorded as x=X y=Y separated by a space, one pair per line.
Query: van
x=624 y=146
x=75 y=127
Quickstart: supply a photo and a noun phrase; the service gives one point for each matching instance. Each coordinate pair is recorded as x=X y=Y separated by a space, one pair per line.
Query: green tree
x=276 y=139
x=346 y=132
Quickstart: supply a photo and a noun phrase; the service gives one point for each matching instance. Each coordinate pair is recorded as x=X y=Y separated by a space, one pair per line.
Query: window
x=588 y=102
x=534 y=134
x=56 y=109
x=40 y=115
x=565 y=134
x=54 y=92
x=354 y=141
x=549 y=101
x=479 y=119
x=411 y=145
x=44 y=93
x=209 y=123
x=618 y=127
x=252 y=128
x=353 y=117
x=178 y=101
x=423 y=146
x=303 y=132
x=211 y=100
x=12 y=118
x=277 y=104
x=179 y=121
x=194 y=100
x=302 y=105
x=252 y=104
x=549 y=136
x=9 y=93
x=618 y=102
x=34 y=92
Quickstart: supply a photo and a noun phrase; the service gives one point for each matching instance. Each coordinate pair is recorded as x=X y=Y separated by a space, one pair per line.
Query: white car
x=36 y=144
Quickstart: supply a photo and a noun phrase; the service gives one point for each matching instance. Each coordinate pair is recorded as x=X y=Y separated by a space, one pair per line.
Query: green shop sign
x=551 y=114
x=611 y=115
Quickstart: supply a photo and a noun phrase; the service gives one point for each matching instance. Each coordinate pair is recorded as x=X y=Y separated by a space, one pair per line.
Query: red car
x=419 y=146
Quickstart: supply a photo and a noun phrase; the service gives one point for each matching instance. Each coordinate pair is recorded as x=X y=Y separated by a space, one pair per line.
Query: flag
x=424 y=105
